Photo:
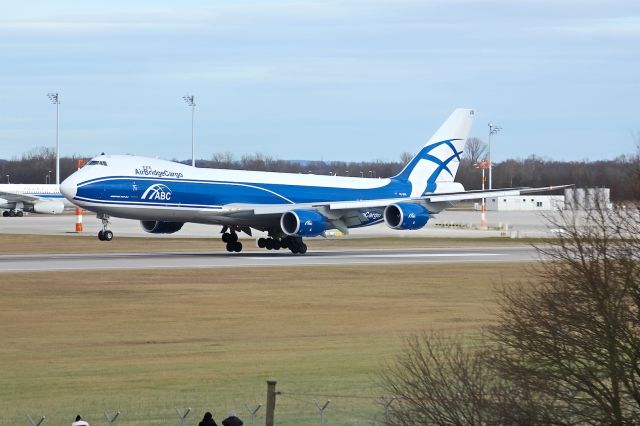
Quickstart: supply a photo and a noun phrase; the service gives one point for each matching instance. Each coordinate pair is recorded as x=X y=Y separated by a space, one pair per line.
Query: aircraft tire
x=229 y=247
x=233 y=237
x=5 y=213
x=237 y=245
x=101 y=235
x=284 y=243
x=12 y=213
x=107 y=235
x=261 y=242
x=225 y=238
x=19 y=213
x=303 y=248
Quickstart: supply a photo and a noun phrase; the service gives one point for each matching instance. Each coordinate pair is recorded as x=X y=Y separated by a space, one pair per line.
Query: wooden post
x=271 y=402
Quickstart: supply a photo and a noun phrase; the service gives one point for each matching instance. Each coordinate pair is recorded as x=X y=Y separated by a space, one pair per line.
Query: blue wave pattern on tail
x=441 y=162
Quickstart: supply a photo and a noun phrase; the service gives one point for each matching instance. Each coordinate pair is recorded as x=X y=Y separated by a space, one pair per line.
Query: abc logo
x=157 y=192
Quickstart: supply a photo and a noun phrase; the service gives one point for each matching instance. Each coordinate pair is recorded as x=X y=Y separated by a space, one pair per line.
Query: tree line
x=619 y=174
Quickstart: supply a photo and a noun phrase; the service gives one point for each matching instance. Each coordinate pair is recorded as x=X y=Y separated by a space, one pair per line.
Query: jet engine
x=49 y=206
x=157 y=227
x=405 y=216
x=303 y=223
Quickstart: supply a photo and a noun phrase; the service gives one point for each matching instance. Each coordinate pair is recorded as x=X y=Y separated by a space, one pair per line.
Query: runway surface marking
x=163 y=260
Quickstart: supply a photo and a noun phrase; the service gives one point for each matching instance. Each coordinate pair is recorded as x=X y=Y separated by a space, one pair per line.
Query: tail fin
x=438 y=160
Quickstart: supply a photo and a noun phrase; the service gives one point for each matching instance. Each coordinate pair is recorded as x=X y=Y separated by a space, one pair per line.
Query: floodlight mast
x=493 y=129
x=55 y=99
x=191 y=101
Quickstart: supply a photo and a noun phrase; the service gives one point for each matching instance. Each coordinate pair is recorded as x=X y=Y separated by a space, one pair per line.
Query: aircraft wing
x=24 y=198
x=381 y=203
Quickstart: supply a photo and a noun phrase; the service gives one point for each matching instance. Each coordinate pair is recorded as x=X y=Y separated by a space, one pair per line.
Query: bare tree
x=565 y=348
x=573 y=338
x=436 y=380
x=474 y=150
x=405 y=157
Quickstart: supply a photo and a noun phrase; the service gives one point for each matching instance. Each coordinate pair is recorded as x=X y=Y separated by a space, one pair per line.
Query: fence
x=291 y=407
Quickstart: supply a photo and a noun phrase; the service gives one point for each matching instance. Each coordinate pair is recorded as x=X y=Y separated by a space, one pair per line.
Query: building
x=526 y=203
x=573 y=199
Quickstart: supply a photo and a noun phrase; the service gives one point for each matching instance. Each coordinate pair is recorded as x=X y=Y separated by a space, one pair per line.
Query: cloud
x=626 y=26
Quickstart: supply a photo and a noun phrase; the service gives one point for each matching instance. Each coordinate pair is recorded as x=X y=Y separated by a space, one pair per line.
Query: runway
x=253 y=259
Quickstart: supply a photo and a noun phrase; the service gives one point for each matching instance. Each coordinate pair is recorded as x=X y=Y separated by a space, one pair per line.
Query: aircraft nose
x=68 y=187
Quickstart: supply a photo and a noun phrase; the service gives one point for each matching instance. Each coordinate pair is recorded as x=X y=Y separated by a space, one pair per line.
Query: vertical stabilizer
x=438 y=160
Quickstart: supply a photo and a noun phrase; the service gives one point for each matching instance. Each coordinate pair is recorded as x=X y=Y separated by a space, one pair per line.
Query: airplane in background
x=164 y=195
x=15 y=199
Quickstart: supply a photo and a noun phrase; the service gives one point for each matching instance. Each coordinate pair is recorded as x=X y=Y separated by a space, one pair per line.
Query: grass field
x=146 y=342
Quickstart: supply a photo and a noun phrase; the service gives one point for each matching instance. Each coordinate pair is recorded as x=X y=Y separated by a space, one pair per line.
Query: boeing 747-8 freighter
x=165 y=195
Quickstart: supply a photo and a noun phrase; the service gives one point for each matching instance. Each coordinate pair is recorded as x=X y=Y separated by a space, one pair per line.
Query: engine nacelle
x=303 y=223
x=49 y=206
x=405 y=216
x=157 y=227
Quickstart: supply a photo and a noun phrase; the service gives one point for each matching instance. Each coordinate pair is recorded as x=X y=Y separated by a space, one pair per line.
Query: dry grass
x=30 y=244
x=144 y=342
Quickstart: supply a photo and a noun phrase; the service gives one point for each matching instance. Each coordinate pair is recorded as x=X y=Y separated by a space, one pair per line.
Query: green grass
x=145 y=342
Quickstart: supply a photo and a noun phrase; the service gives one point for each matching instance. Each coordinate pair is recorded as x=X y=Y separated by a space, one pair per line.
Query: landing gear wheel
x=107 y=235
x=101 y=235
x=19 y=213
x=234 y=246
x=302 y=249
x=12 y=213
x=261 y=242
x=5 y=213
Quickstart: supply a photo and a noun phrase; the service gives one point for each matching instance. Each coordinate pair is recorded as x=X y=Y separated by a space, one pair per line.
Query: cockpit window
x=96 y=163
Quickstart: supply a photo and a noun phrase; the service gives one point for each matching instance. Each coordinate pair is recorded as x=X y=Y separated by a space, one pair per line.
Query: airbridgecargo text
x=148 y=171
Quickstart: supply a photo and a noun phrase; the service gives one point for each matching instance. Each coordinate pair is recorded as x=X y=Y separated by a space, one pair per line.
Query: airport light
x=483 y=218
x=492 y=131
x=7 y=178
x=55 y=99
x=49 y=176
x=361 y=174
x=191 y=101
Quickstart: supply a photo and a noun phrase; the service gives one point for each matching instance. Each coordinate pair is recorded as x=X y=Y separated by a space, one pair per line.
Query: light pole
x=191 y=101
x=7 y=178
x=49 y=177
x=492 y=131
x=55 y=99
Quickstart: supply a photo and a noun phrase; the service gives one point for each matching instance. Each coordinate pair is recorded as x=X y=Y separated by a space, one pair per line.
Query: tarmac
x=252 y=259
x=448 y=224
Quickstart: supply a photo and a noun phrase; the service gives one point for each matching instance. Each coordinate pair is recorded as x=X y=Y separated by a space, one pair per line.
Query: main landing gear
x=294 y=244
x=12 y=213
x=231 y=238
x=105 y=234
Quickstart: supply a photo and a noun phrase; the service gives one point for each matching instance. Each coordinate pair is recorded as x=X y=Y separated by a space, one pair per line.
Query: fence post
x=386 y=404
x=253 y=413
x=183 y=416
x=35 y=423
x=111 y=420
x=271 y=401
x=321 y=409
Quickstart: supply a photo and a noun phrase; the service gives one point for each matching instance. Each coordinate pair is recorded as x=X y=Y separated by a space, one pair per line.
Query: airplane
x=15 y=199
x=164 y=195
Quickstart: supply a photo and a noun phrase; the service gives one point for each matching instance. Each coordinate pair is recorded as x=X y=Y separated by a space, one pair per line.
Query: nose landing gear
x=105 y=234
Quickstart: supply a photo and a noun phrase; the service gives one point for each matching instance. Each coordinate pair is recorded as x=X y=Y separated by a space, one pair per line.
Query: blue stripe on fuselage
x=204 y=193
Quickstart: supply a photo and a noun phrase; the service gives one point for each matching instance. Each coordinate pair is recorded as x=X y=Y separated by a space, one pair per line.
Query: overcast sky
x=332 y=80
